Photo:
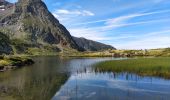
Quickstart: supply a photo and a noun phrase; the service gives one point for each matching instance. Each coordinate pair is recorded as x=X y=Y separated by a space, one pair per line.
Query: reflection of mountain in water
x=32 y=83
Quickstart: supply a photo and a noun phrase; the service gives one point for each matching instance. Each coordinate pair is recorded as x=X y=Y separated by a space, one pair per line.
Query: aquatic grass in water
x=159 y=67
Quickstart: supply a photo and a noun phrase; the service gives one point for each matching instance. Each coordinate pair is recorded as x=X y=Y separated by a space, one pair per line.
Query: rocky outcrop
x=90 y=45
x=5 y=47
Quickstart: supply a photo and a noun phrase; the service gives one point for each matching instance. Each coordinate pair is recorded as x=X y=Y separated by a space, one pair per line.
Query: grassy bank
x=11 y=62
x=159 y=67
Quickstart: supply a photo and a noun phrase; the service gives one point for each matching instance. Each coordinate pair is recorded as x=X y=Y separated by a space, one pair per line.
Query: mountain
x=90 y=45
x=29 y=24
x=5 y=46
x=31 y=21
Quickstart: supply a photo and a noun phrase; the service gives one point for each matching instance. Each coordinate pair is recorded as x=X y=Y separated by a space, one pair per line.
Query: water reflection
x=113 y=86
x=37 y=82
x=42 y=80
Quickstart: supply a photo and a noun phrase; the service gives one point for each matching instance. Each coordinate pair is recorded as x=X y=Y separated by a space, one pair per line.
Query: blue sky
x=125 y=24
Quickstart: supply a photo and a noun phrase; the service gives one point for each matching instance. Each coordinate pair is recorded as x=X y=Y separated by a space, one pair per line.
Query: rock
x=5 y=46
x=1 y=68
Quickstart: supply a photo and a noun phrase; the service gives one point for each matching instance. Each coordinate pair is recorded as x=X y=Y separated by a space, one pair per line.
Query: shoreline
x=156 y=66
x=14 y=62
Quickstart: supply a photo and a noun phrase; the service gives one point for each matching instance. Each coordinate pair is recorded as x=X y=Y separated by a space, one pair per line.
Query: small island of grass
x=159 y=67
x=12 y=62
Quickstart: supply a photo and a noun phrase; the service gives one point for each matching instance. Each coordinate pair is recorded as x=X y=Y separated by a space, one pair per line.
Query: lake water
x=74 y=79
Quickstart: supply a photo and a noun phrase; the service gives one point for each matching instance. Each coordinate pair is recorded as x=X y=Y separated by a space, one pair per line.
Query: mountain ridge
x=90 y=45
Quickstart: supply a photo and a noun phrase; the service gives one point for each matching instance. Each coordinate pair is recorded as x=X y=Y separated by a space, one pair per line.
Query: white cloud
x=68 y=17
x=92 y=34
x=150 y=40
x=56 y=4
x=123 y=24
x=109 y=27
x=61 y=12
x=88 y=13
x=61 y=18
x=146 y=43
x=100 y=33
x=121 y=19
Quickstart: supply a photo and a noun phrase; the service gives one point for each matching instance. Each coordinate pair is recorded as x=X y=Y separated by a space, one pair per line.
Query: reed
x=159 y=67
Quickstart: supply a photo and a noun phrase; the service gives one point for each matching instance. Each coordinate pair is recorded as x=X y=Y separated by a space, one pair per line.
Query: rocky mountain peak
x=32 y=20
x=31 y=6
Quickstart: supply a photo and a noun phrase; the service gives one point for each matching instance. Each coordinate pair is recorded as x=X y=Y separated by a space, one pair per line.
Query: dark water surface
x=74 y=79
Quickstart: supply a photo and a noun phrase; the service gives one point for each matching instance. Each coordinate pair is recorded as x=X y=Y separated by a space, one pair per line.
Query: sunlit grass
x=4 y=62
x=143 y=66
x=10 y=62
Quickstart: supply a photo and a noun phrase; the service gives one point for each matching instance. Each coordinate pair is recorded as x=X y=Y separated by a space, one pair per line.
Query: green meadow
x=159 y=67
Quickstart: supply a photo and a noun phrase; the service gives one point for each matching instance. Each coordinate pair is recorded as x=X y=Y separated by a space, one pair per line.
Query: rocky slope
x=5 y=46
x=90 y=45
x=30 y=21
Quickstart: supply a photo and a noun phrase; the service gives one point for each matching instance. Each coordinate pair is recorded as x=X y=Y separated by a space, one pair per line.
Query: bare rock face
x=30 y=20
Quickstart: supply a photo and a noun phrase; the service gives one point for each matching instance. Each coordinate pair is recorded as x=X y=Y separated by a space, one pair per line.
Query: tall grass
x=143 y=66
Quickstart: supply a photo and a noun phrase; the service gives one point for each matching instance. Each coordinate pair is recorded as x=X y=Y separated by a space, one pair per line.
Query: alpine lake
x=56 y=78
